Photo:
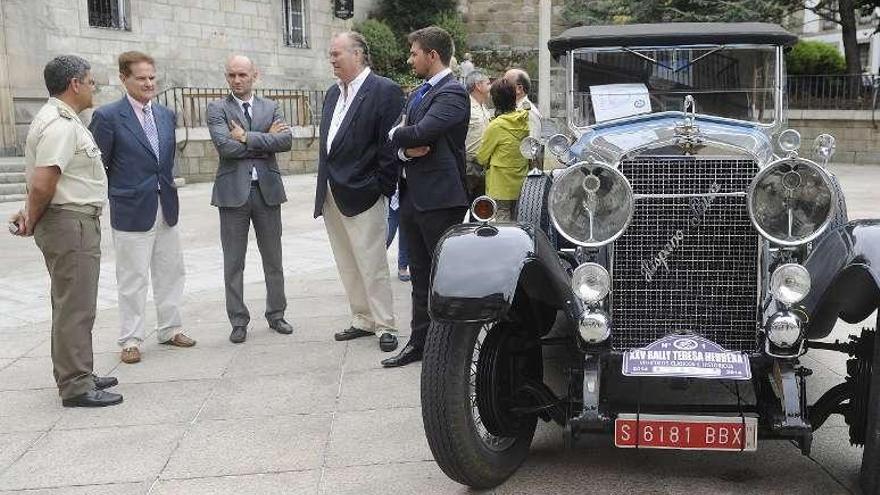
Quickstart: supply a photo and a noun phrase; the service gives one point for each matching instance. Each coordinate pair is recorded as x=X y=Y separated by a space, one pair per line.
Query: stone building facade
x=190 y=39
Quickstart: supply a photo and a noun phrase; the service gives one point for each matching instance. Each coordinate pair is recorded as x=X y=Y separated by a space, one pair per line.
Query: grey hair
x=473 y=78
x=359 y=42
x=61 y=70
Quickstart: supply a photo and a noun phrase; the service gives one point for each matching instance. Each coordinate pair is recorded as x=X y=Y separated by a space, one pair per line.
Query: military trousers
x=71 y=245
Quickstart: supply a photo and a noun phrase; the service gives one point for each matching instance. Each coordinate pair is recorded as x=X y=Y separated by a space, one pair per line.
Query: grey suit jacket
x=233 y=182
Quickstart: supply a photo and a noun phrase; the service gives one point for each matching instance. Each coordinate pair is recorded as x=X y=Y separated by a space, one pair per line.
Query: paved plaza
x=302 y=413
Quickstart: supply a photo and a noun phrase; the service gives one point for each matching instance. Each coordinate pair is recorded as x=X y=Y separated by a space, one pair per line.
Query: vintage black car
x=683 y=257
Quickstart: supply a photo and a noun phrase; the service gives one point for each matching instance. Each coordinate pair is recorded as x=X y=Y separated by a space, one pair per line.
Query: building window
x=865 y=56
x=111 y=14
x=295 y=23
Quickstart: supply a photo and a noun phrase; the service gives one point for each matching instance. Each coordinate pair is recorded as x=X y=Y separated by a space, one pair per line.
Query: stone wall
x=858 y=141
x=197 y=158
x=190 y=40
x=506 y=25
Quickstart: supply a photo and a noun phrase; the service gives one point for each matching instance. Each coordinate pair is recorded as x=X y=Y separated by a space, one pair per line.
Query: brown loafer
x=131 y=355
x=180 y=340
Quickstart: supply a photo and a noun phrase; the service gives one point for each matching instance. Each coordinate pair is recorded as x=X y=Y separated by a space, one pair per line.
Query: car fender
x=845 y=277
x=477 y=269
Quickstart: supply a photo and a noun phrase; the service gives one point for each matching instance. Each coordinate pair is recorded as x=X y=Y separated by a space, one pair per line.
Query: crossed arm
x=255 y=145
x=447 y=111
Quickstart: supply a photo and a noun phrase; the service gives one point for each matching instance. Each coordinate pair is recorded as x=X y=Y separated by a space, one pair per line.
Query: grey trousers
x=234 y=228
x=71 y=246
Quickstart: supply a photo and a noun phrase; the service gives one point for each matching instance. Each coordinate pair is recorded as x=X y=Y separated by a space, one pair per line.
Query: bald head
x=241 y=73
x=520 y=80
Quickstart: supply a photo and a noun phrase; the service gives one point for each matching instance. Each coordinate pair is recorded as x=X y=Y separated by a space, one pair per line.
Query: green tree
x=846 y=14
x=584 y=12
x=386 y=49
x=815 y=57
x=451 y=21
x=405 y=16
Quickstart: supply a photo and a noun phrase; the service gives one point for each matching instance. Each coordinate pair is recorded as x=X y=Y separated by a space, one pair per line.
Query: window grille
x=110 y=14
x=295 y=22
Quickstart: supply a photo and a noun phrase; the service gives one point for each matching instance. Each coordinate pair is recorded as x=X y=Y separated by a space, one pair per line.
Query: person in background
x=66 y=191
x=506 y=168
x=477 y=85
x=393 y=227
x=523 y=85
x=466 y=67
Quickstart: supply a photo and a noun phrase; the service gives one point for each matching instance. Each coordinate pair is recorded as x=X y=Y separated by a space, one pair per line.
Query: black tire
x=840 y=217
x=869 y=477
x=532 y=205
x=459 y=439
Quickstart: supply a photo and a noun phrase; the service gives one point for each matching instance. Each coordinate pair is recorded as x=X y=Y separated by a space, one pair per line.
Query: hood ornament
x=687 y=132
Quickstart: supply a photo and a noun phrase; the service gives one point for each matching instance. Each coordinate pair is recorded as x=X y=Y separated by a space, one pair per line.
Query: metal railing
x=300 y=107
x=833 y=92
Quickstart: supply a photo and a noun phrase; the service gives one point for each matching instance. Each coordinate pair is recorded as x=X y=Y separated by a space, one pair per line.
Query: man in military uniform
x=67 y=187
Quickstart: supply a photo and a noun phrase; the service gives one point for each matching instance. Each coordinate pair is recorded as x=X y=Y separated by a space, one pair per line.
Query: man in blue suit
x=136 y=139
x=357 y=169
x=431 y=145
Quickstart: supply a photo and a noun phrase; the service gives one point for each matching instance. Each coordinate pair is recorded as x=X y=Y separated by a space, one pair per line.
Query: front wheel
x=869 y=478
x=471 y=377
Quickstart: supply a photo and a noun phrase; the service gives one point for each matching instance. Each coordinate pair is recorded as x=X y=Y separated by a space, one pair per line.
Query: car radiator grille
x=709 y=282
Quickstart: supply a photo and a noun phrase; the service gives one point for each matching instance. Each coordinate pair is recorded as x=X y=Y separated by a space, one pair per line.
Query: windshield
x=737 y=83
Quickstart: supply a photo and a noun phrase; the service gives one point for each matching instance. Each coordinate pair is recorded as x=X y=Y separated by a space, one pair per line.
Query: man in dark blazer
x=431 y=144
x=357 y=169
x=247 y=132
x=136 y=139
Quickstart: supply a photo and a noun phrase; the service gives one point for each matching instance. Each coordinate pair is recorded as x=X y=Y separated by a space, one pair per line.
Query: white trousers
x=140 y=257
x=358 y=245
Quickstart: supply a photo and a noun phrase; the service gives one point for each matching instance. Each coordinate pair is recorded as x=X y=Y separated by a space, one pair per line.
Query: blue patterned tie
x=150 y=130
x=420 y=93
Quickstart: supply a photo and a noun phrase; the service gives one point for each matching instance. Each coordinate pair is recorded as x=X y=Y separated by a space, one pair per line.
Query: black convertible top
x=668 y=34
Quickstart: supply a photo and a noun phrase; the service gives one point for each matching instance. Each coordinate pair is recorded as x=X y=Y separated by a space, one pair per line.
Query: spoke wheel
x=470 y=376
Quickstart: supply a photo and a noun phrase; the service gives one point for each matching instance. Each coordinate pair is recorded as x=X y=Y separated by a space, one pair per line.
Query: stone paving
x=305 y=414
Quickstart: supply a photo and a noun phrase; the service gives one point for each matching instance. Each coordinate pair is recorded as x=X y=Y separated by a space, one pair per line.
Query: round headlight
x=784 y=329
x=591 y=204
x=791 y=201
x=790 y=283
x=594 y=327
x=789 y=140
x=591 y=282
x=529 y=148
x=558 y=144
x=483 y=209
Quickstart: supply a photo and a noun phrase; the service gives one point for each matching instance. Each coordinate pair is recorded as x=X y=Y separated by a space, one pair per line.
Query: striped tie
x=150 y=130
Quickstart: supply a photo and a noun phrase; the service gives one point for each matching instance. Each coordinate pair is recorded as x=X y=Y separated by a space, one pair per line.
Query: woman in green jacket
x=499 y=154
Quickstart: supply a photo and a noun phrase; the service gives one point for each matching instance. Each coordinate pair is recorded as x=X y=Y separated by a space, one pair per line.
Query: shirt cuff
x=402 y=155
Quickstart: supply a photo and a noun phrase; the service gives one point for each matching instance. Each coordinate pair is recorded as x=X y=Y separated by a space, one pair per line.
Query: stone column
x=7 y=111
x=545 y=13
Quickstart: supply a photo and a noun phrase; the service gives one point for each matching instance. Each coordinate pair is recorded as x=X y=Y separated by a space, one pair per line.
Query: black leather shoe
x=93 y=398
x=281 y=326
x=409 y=354
x=238 y=335
x=387 y=342
x=102 y=382
x=351 y=333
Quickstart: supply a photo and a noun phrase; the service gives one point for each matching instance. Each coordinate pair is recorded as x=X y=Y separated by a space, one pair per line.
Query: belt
x=255 y=183
x=90 y=210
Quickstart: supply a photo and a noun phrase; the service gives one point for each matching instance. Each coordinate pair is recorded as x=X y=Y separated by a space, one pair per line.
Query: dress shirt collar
x=138 y=106
x=439 y=76
x=249 y=101
x=355 y=83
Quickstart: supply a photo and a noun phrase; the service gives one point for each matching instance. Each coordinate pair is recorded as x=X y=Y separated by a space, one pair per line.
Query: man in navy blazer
x=357 y=169
x=137 y=143
x=431 y=146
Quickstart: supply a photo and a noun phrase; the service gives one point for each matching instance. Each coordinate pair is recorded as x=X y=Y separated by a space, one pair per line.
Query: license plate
x=656 y=431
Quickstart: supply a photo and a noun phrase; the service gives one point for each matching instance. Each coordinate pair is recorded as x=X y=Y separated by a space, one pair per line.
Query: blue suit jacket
x=436 y=180
x=137 y=179
x=361 y=164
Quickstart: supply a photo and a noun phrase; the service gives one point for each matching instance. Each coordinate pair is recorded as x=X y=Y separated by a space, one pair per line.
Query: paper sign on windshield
x=615 y=101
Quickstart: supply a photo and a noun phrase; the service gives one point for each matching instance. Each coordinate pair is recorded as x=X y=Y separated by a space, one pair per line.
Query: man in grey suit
x=247 y=132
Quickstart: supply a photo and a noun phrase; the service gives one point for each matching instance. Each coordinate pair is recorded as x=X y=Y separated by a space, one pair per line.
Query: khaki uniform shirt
x=476 y=127
x=57 y=137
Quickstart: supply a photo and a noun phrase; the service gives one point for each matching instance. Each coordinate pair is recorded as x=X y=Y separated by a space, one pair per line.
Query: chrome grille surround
x=709 y=282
